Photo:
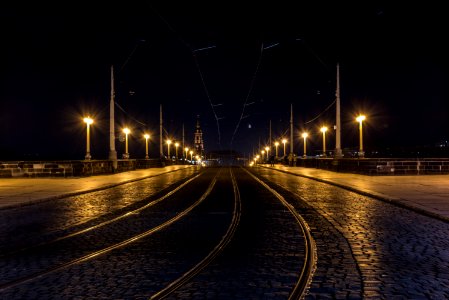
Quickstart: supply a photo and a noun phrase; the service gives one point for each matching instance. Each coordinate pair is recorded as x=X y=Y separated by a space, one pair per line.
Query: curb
x=60 y=196
x=392 y=200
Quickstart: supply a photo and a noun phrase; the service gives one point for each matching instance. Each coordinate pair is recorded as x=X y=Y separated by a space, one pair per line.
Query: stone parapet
x=379 y=166
x=72 y=168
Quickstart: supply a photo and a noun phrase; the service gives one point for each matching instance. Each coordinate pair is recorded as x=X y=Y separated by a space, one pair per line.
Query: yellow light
x=168 y=142
x=88 y=120
x=176 y=144
x=126 y=130
x=146 y=136
x=267 y=148
x=323 y=129
x=284 y=141
x=304 y=135
x=360 y=118
x=276 y=144
x=263 y=152
x=186 y=149
x=191 y=152
x=257 y=156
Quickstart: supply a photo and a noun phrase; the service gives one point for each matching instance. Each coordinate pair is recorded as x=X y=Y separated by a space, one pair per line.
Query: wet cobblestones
x=400 y=254
x=35 y=223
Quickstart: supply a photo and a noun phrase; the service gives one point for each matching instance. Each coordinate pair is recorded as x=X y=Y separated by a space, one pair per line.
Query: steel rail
x=127 y=214
x=122 y=244
x=310 y=259
x=227 y=237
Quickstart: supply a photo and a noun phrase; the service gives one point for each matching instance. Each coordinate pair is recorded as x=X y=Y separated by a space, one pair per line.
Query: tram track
x=215 y=251
x=104 y=223
x=310 y=258
x=94 y=254
x=190 y=251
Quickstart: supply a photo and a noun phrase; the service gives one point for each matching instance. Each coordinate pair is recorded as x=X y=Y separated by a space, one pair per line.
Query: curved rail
x=214 y=253
x=112 y=247
x=127 y=214
x=310 y=259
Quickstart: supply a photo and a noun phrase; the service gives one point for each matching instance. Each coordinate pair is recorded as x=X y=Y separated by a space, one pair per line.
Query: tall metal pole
x=112 y=151
x=291 y=129
x=271 y=146
x=183 y=139
x=161 y=150
x=338 y=152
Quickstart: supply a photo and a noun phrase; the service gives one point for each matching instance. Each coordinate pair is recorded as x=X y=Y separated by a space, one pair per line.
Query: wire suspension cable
x=253 y=80
x=321 y=113
x=135 y=120
x=193 y=51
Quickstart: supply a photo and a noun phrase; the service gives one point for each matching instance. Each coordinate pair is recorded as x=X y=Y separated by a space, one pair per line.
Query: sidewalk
x=22 y=191
x=427 y=194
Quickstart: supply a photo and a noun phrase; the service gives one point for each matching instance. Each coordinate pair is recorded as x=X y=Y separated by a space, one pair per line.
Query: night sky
x=210 y=59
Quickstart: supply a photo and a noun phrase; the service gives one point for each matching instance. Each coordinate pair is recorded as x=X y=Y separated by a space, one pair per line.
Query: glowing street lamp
x=168 y=148
x=283 y=142
x=276 y=144
x=88 y=122
x=323 y=130
x=262 y=152
x=191 y=155
x=176 y=149
x=304 y=135
x=146 y=136
x=126 y=131
x=186 y=149
x=267 y=149
x=360 y=119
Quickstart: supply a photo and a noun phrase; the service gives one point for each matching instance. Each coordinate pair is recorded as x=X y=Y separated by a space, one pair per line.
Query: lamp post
x=360 y=119
x=267 y=149
x=126 y=131
x=88 y=122
x=191 y=155
x=304 y=135
x=323 y=130
x=186 y=149
x=276 y=144
x=176 y=149
x=168 y=148
x=262 y=152
x=146 y=136
x=283 y=142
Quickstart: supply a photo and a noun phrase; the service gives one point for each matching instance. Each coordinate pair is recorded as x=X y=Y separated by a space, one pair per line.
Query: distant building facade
x=198 y=143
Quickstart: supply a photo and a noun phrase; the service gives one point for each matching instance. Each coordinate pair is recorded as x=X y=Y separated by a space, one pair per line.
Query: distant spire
x=198 y=143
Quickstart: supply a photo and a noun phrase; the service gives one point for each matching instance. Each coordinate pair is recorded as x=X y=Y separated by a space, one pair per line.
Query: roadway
x=225 y=234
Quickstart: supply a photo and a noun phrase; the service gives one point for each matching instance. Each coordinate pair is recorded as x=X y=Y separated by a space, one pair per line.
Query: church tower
x=199 y=146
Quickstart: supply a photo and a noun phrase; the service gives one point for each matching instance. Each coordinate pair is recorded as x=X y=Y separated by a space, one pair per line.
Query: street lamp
x=126 y=131
x=277 y=145
x=191 y=155
x=168 y=148
x=176 y=149
x=304 y=135
x=88 y=122
x=360 y=119
x=263 y=152
x=266 y=149
x=186 y=149
x=284 y=141
x=323 y=130
x=146 y=136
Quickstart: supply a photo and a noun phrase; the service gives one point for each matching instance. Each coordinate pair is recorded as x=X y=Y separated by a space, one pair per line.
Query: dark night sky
x=56 y=61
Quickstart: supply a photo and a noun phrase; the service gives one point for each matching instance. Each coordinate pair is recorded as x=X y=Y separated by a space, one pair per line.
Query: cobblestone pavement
x=263 y=261
x=31 y=224
x=398 y=253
